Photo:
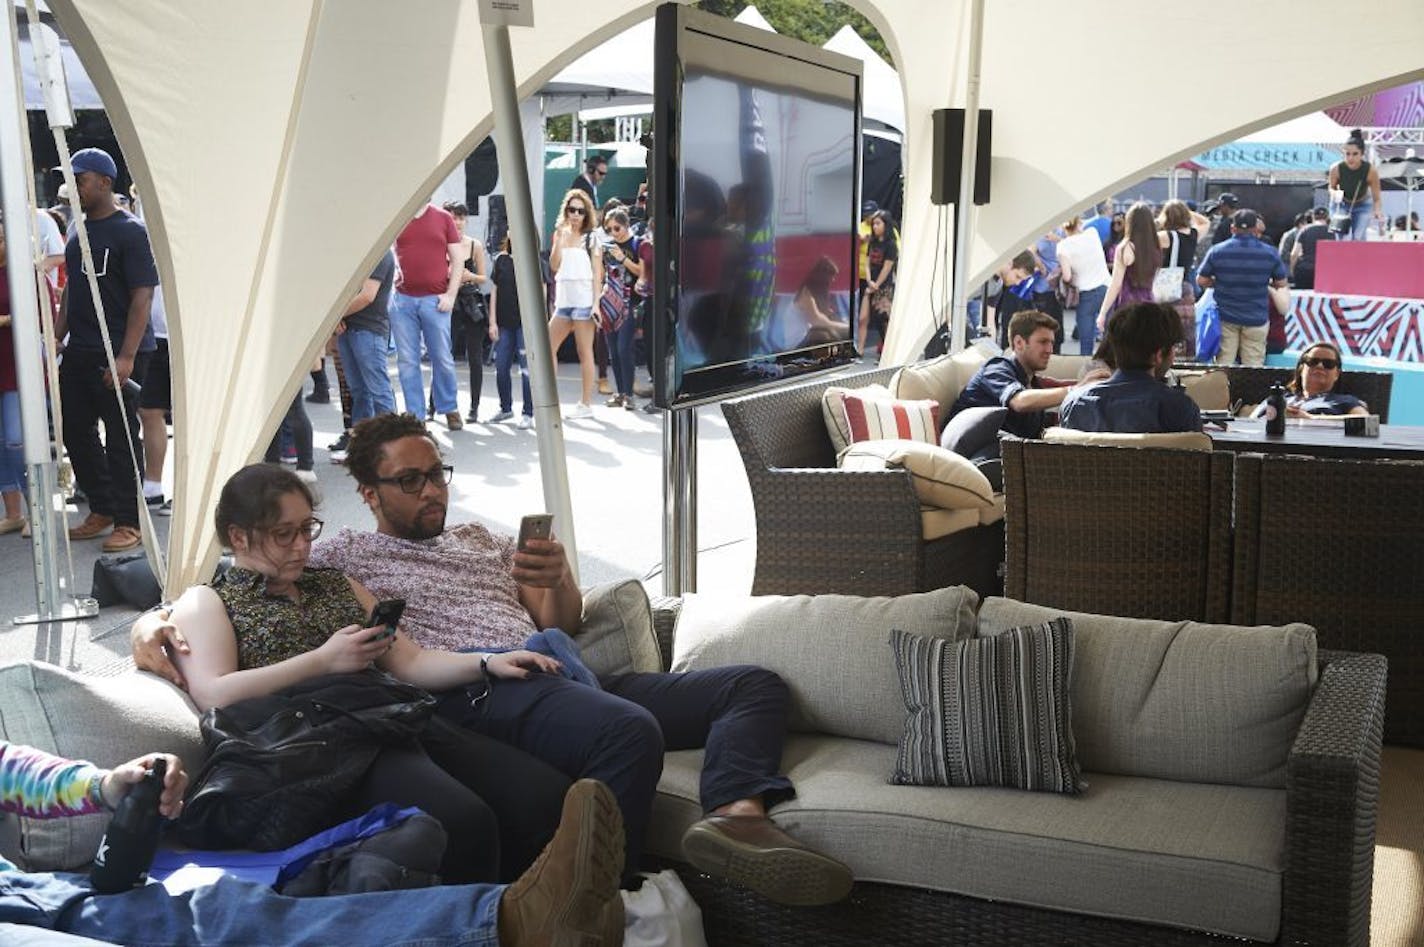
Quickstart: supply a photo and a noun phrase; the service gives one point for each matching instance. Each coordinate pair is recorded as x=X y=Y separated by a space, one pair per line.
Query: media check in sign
x=507 y=12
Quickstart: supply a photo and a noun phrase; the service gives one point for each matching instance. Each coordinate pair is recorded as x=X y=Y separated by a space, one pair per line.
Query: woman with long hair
x=1355 y=189
x=470 y=323
x=1313 y=391
x=1178 y=230
x=882 y=254
x=814 y=304
x=623 y=268
x=508 y=332
x=577 y=265
x=1136 y=260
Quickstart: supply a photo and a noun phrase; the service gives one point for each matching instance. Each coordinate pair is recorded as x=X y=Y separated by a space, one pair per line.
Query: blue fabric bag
x=1208 y=328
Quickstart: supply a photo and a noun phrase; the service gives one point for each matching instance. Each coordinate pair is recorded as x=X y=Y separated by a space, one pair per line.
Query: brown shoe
x=93 y=526
x=569 y=896
x=453 y=421
x=753 y=851
x=12 y=524
x=123 y=537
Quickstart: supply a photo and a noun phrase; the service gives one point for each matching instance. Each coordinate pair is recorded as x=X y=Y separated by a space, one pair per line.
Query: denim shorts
x=575 y=313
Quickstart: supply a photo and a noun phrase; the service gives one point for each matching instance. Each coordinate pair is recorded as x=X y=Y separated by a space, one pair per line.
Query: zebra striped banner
x=1358 y=325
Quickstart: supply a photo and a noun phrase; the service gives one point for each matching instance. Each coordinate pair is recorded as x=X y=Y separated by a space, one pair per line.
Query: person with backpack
x=623 y=267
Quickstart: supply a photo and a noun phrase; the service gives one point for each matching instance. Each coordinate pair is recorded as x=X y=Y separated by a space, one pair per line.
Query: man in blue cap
x=126 y=274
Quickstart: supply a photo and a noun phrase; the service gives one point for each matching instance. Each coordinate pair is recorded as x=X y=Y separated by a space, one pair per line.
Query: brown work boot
x=452 y=420
x=569 y=897
x=123 y=537
x=752 y=851
x=92 y=528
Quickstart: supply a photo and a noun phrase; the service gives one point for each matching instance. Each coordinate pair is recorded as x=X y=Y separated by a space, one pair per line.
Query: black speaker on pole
x=949 y=151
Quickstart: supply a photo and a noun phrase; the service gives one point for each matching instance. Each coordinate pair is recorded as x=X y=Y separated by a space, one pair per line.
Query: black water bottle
x=127 y=849
x=1276 y=412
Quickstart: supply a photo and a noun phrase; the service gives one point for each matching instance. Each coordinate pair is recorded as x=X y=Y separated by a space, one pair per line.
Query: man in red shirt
x=430 y=257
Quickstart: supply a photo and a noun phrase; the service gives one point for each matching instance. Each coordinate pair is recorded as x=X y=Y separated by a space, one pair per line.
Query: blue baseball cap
x=96 y=160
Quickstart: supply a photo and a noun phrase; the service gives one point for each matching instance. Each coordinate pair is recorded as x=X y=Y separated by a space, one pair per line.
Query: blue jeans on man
x=507 y=348
x=620 y=350
x=364 y=360
x=414 y=318
x=231 y=912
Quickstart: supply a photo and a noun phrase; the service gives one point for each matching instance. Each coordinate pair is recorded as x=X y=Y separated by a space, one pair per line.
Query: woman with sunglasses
x=270 y=622
x=1312 y=392
x=578 y=282
x=1355 y=190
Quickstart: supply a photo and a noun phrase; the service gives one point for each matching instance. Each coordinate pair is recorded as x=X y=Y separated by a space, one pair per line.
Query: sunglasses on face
x=1329 y=364
x=574 y=209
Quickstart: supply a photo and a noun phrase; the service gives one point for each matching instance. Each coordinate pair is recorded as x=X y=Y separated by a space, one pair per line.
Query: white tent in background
x=751 y=16
x=882 y=95
x=614 y=73
x=1316 y=128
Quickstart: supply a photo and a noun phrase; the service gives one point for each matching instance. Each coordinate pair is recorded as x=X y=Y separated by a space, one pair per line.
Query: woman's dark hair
x=618 y=213
x=252 y=498
x=456 y=209
x=889 y=225
x=370 y=437
x=1296 y=386
x=504 y=244
x=1141 y=232
x=1356 y=138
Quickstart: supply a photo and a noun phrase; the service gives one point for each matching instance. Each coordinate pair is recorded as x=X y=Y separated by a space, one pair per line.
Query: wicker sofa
x=966 y=866
x=1251 y=383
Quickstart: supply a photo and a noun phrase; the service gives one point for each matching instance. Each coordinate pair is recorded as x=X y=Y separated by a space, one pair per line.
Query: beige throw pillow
x=833 y=410
x=942 y=478
x=1183 y=440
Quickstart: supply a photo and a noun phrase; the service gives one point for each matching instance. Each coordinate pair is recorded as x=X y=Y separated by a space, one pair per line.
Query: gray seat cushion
x=1180 y=700
x=1192 y=855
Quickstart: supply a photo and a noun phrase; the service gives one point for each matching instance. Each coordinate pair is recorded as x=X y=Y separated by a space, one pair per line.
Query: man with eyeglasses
x=595 y=169
x=466 y=587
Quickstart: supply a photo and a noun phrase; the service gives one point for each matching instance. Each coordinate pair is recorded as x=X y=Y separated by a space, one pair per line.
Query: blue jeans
x=507 y=348
x=12 y=444
x=234 y=913
x=363 y=358
x=620 y=350
x=411 y=318
x=1090 y=302
x=1360 y=215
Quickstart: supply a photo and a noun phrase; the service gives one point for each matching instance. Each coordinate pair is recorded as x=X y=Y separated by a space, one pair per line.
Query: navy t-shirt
x=1328 y=402
x=123 y=261
x=1243 y=268
x=1130 y=402
x=994 y=385
x=375 y=317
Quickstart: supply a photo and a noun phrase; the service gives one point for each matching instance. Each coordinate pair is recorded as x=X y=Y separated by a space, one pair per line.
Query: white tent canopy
x=751 y=16
x=882 y=96
x=310 y=104
x=1316 y=128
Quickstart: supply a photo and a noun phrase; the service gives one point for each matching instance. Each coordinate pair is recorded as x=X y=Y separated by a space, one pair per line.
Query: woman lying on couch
x=571 y=892
x=270 y=622
x=1311 y=392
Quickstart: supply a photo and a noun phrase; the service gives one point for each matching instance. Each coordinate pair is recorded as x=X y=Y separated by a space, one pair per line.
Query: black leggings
x=499 y=805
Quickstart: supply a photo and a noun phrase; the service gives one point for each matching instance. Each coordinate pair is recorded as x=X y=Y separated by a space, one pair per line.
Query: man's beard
x=414 y=528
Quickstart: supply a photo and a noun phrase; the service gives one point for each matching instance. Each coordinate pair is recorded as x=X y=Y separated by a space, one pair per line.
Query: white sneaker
x=526 y=422
x=580 y=410
x=306 y=476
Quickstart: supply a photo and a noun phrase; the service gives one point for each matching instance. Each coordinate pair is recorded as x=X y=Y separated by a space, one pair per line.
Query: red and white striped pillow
x=883 y=419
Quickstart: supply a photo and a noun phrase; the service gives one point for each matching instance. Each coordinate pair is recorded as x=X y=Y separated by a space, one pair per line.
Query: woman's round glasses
x=286 y=535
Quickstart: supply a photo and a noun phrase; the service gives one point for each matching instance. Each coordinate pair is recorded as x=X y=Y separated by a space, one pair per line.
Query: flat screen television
x=754 y=187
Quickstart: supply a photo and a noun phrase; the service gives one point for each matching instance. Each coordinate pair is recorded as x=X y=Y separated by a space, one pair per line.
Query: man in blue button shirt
x=1135 y=400
x=1012 y=381
x=1243 y=270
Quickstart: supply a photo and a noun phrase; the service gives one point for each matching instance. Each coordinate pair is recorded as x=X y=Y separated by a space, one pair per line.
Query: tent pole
x=964 y=210
x=50 y=597
x=524 y=241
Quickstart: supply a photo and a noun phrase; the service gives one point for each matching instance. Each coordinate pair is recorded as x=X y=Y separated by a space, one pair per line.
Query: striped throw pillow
x=990 y=711
x=876 y=419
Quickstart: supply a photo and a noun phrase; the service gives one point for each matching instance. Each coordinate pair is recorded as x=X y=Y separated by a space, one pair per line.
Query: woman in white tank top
x=578 y=282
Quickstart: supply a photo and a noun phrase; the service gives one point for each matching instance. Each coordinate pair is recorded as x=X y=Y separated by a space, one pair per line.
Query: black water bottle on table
x=126 y=851
x=1276 y=412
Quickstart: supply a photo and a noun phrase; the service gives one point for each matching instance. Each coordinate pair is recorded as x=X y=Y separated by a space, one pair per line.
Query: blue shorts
x=574 y=313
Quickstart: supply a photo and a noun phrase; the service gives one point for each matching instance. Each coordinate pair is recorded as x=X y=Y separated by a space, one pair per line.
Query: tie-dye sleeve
x=36 y=784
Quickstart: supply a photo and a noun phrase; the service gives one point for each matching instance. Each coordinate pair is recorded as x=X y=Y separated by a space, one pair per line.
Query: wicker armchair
x=821 y=529
x=1251 y=383
x=1139 y=532
x=1338 y=544
x=1332 y=798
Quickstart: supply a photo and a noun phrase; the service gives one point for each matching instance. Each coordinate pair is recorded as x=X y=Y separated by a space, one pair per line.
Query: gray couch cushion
x=833 y=651
x=617 y=634
x=1191 y=855
x=1181 y=700
x=106 y=721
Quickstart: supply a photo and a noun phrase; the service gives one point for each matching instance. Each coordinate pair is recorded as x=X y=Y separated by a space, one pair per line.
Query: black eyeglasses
x=286 y=535
x=601 y=172
x=1329 y=364
x=416 y=480
x=575 y=209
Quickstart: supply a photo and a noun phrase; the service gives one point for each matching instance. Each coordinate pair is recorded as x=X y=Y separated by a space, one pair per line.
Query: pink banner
x=1400 y=107
x=1359 y=325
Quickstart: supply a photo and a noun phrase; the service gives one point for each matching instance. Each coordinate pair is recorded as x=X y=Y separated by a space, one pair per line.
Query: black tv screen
x=754 y=188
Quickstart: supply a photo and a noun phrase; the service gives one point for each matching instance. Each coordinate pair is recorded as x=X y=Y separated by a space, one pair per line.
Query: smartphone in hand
x=387 y=612
x=535 y=526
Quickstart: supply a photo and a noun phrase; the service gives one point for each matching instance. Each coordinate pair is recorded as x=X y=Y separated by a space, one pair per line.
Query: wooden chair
x=1142 y=532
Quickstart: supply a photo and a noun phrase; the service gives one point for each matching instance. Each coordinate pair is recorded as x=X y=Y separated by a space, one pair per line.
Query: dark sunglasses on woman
x=574 y=209
x=1329 y=364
